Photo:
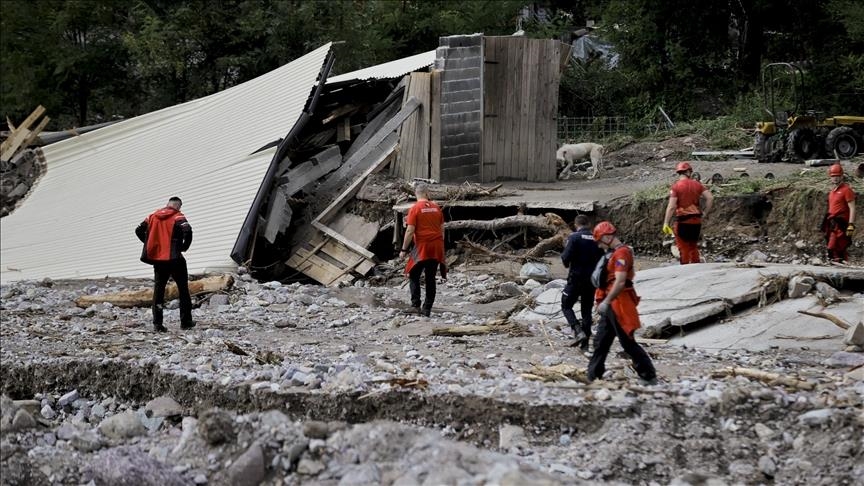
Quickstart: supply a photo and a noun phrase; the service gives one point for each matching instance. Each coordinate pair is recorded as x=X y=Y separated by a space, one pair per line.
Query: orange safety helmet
x=835 y=170
x=602 y=229
x=683 y=167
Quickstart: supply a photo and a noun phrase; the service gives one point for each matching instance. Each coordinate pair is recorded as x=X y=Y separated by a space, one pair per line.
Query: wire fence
x=579 y=129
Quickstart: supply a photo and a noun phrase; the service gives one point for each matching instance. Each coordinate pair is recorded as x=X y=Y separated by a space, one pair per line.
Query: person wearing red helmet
x=616 y=304
x=689 y=202
x=838 y=224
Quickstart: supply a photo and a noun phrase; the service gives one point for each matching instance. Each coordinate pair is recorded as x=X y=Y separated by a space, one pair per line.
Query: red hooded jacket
x=166 y=235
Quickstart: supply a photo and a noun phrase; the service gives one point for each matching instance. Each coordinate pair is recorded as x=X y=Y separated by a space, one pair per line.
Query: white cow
x=573 y=152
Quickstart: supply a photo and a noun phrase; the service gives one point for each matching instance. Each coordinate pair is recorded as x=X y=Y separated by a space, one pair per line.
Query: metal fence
x=579 y=129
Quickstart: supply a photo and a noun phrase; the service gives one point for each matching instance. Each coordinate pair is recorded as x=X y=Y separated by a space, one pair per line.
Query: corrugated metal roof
x=79 y=221
x=392 y=69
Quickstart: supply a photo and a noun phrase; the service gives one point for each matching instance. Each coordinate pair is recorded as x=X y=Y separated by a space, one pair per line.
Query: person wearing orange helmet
x=689 y=202
x=616 y=304
x=838 y=224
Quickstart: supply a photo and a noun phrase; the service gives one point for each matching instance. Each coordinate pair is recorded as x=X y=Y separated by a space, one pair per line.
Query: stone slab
x=761 y=329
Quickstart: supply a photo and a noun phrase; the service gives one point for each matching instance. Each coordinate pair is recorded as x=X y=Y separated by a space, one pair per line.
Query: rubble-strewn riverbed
x=299 y=384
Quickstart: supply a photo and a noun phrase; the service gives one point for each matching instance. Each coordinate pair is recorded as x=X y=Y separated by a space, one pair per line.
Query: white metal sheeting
x=79 y=221
x=392 y=69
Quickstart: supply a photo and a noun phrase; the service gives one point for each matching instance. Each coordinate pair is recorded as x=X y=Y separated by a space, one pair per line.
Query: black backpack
x=600 y=273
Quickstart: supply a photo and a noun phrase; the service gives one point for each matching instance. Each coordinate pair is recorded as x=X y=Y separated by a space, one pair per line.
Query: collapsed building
x=477 y=109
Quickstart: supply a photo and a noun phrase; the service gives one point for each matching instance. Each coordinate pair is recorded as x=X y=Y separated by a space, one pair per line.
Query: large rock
x=249 y=468
x=130 y=465
x=216 y=426
x=163 y=406
x=122 y=426
x=854 y=335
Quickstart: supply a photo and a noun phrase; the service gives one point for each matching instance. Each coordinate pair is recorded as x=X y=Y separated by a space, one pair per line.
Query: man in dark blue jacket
x=580 y=256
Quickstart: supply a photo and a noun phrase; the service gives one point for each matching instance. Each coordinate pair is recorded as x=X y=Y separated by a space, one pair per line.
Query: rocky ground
x=299 y=384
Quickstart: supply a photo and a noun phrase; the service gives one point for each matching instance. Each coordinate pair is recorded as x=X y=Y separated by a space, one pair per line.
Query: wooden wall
x=520 y=105
x=412 y=159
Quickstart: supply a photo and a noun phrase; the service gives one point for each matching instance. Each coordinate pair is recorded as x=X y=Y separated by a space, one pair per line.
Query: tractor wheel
x=842 y=142
x=801 y=144
x=768 y=148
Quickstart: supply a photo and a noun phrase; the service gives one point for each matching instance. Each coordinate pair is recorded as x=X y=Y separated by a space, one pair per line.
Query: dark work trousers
x=175 y=269
x=584 y=292
x=429 y=267
x=606 y=333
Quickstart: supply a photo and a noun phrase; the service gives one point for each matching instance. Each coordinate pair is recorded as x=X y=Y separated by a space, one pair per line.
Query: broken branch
x=766 y=377
x=824 y=315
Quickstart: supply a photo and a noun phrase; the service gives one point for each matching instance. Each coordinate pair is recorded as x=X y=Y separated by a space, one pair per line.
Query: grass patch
x=723 y=133
x=812 y=180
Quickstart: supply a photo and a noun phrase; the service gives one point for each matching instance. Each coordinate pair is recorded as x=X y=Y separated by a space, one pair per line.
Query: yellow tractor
x=795 y=136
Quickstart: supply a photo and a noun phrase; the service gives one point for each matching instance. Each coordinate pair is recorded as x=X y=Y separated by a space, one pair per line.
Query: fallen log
x=824 y=315
x=766 y=377
x=537 y=223
x=463 y=192
x=144 y=298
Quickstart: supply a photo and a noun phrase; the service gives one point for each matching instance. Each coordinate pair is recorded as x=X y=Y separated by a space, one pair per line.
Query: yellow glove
x=667 y=230
x=850 y=230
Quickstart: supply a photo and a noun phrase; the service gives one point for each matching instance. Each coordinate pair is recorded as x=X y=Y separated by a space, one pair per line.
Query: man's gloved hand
x=602 y=307
x=850 y=230
x=667 y=230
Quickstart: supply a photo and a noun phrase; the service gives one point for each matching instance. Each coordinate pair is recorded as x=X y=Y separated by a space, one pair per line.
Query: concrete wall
x=461 y=59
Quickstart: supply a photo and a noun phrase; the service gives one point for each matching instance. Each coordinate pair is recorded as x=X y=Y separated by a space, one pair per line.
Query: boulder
x=249 y=468
x=163 y=406
x=216 y=426
x=122 y=426
x=854 y=335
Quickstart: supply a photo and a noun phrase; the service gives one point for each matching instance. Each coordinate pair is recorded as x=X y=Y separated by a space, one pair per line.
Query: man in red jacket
x=166 y=235
x=689 y=201
x=425 y=227
x=839 y=225
x=616 y=304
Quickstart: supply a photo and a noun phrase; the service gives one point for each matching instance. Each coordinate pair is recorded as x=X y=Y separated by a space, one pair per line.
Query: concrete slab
x=773 y=326
x=683 y=294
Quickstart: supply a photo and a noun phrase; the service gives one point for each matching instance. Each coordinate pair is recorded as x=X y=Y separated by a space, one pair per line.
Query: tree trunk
x=144 y=298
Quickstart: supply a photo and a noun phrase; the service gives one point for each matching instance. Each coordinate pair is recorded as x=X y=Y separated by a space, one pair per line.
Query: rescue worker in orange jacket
x=616 y=304
x=689 y=202
x=838 y=224
x=425 y=228
x=166 y=234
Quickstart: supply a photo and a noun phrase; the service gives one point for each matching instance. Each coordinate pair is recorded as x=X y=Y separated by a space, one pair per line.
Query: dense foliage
x=93 y=60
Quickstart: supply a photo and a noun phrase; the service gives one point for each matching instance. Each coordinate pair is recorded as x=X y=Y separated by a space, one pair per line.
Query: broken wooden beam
x=537 y=223
x=144 y=298
x=766 y=377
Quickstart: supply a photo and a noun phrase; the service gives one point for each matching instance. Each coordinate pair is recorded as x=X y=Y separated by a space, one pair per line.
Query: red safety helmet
x=835 y=170
x=683 y=167
x=602 y=229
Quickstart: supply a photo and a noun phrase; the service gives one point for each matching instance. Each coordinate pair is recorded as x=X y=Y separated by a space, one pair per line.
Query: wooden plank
x=356 y=228
x=310 y=171
x=373 y=126
x=318 y=268
x=538 y=170
x=278 y=217
x=36 y=131
x=343 y=130
x=339 y=255
x=383 y=155
x=531 y=99
x=490 y=112
x=412 y=158
x=21 y=132
x=422 y=90
x=341 y=111
x=435 y=126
